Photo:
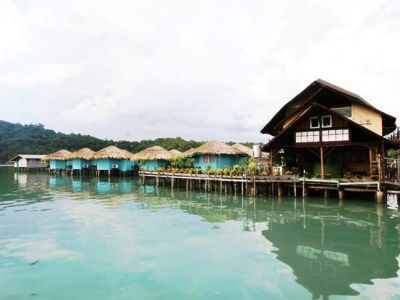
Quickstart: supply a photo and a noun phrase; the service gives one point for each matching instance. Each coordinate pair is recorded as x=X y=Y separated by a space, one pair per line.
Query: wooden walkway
x=272 y=185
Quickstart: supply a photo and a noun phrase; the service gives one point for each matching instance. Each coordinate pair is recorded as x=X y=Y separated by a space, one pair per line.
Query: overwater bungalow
x=244 y=149
x=215 y=155
x=152 y=158
x=29 y=161
x=112 y=158
x=58 y=161
x=327 y=130
x=81 y=159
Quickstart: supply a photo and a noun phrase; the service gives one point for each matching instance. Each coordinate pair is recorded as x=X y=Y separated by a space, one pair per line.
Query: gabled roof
x=309 y=94
x=27 y=156
x=350 y=122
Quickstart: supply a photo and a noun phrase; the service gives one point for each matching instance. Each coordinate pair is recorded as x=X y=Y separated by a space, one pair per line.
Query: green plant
x=237 y=170
x=226 y=171
x=253 y=168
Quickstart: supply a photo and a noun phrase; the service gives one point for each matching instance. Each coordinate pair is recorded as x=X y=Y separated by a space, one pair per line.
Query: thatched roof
x=214 y=147
x=188 y=152
x=112 y=152
x=152 y=153
x=84 y=153
x=58 y=155
x=175 y=152
x=244 y=149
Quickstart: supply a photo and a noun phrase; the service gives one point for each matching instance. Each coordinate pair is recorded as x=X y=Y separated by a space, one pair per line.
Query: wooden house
x=112 y=158
x=152 y=158
x=215 y=155
x=58 y=161
x=327 y=130
x=29 y=161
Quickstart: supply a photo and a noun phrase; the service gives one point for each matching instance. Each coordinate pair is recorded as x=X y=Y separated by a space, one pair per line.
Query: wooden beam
x=329 y=151
x=321 y=151
x=315 y=152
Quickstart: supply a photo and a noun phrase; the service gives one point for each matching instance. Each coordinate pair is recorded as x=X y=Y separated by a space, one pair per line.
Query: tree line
x=36 y=139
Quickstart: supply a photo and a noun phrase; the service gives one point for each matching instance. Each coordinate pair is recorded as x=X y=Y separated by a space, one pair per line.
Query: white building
x=29 y=161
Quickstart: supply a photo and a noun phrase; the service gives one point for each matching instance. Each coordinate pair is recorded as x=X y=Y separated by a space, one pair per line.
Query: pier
x=271 y=185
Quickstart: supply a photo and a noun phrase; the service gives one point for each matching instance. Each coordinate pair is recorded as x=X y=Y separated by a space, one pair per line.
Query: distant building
x=29 y=161
x=327 y=129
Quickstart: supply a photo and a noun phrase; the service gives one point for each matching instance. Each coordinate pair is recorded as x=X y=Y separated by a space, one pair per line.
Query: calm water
x=63 y=238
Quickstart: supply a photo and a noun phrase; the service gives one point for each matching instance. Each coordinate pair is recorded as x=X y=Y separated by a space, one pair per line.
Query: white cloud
x=197 y=69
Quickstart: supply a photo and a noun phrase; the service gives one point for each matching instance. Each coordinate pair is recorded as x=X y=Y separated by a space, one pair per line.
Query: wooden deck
x=272 y=185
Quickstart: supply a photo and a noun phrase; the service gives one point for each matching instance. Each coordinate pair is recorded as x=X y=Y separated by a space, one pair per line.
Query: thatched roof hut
x=244 y=149
x=213 y=147
x=152 y=153
x=112 y=152
x=188 y=152
x=84 y=153
x=58 y=155
x=175 y=152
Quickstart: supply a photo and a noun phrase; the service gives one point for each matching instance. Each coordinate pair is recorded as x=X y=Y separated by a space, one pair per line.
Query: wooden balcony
x=394 y=136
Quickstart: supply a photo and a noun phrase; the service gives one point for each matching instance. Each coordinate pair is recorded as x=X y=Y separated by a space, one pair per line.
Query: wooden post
x=321 y=154
x=341 y=194
x=380 y=197
x=254 y=186
x=294 y=188
x=280 y=190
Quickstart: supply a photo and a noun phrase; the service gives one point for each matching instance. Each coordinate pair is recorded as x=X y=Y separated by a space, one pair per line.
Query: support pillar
x=321 y=154
x=380 y=197
x=341 y=195
x=280 y=190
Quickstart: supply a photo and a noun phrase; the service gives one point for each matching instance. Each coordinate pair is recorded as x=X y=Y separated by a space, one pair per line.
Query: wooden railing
x=394 y=136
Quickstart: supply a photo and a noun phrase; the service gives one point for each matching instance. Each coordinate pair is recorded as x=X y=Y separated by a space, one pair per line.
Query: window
x=344 y=111
x=335 y=135
x=314 y=122
x=307 y=137
x=207 y=159
x=326 y=121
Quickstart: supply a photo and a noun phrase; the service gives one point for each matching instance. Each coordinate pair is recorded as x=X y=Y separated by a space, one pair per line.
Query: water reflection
x=332 y=248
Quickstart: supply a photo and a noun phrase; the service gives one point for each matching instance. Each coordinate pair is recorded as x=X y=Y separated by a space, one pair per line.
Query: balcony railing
x=394 y=136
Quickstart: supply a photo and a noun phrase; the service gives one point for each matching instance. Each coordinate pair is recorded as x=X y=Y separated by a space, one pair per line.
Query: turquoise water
x=64 y=238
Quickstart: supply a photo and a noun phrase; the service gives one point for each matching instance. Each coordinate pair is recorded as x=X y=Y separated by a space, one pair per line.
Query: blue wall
x=105 y=164
x=151 y=165
x=79 y=163
x=216 y=161
x=57 y=164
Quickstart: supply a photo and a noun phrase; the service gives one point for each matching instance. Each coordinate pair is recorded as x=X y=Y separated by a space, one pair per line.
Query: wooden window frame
x=318 y=120
x=326 y=117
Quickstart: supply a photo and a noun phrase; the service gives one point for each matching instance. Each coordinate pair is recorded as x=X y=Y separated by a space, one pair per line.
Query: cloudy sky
x=199 y=69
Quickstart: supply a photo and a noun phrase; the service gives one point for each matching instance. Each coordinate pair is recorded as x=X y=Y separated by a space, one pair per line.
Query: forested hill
x=35 y=139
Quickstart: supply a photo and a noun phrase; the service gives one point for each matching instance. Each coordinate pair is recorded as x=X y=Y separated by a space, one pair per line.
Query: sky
x=199 y=69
